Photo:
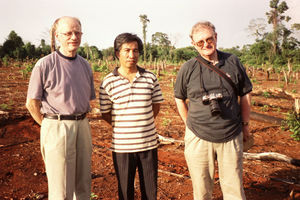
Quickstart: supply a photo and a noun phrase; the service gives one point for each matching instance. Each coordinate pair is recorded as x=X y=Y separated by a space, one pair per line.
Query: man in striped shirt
x=130 y=98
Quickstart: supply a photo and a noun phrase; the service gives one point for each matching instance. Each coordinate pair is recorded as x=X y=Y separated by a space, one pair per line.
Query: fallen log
x=265 y=118
x=267 y=156
x=271 y=156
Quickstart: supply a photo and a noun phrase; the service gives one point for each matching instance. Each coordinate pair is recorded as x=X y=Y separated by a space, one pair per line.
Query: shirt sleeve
x=105 y=102
x=245 y=85
x=35 y=87
x=180 y=87
x=156 y=94
x=93 y=94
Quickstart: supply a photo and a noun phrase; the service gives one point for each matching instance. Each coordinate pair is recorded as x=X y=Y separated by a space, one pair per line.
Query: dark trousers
x=125 y=166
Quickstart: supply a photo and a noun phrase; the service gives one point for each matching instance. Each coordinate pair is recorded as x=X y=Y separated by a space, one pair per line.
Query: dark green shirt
x=227 y=125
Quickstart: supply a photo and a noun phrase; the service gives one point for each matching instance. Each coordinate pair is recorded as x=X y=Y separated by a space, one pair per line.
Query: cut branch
x=173 y=174
x=271 y=156
x=267 y=156
x=265 y=118
x=166 y=140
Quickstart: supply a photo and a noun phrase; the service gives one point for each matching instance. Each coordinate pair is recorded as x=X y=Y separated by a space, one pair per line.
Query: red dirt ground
x=22 y=172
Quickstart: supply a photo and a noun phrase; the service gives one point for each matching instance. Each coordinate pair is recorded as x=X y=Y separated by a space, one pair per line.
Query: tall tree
x=12 y=43
x=29 y=50
x=44 y=48
x=276 y=17
x=257 y=28
x=161 y=42
x=160 y=39
x=144 y=19
x=87 y=50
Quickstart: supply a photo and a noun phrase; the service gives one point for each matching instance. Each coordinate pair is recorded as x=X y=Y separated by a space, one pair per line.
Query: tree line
x=276 y=48
x=159 y=49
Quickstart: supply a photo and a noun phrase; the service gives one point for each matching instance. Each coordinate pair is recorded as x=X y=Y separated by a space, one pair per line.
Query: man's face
x=69 y=34
x=128 y=54
x=205 y=41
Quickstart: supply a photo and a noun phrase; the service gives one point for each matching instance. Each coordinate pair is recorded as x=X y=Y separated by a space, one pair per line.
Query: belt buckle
x=76 y=117
x=58 y=117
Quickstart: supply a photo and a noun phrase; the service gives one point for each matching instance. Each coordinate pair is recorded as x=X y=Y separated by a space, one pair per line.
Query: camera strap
x=220 y=73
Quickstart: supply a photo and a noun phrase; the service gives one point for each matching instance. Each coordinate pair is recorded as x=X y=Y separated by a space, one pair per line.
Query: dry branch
x=173 y=174
x=268 y=156
x=166 y=140
x=271 y=156
x=296 y=97
x=15 y=144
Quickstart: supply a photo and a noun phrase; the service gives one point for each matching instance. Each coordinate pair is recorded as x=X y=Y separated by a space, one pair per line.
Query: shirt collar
x=66 y=57
x=140 y=71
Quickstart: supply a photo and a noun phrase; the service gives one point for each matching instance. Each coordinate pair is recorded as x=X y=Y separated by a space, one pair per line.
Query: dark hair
x=126 y=38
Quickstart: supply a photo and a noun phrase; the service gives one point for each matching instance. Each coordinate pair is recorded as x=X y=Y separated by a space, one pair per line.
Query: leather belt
x=65 y=117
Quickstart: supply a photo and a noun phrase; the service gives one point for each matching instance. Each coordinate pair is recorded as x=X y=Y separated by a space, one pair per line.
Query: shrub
x=292 y=122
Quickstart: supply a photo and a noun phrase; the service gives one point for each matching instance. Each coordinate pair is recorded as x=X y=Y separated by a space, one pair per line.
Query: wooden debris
x=4 y=115
x=15 y=144
x=268 y=156
x=166 y=140
x=293 y=186
x=296 y=97
x=271 y=156
x=173 y=174
x=265 y=118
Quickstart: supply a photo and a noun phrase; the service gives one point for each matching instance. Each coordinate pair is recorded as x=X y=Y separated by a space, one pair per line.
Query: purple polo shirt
x=64 y=85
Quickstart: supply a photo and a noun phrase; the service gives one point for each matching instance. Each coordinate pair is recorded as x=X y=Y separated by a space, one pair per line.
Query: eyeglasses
x=201 y=43
x=70 y=34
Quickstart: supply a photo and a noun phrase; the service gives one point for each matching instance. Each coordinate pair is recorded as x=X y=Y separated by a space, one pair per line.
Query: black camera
x=212 y=99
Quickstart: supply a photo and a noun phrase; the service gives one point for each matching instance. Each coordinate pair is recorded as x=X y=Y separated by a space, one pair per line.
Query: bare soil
x=22 y=172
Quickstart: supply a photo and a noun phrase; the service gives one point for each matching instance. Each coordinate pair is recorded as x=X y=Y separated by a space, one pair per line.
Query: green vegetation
x=25 y=72
x=100 y=68
x=265 y=108
x=93 y=196
x=166 y=121
x=4 y=106
x=144 y=19
x=292 y=122
x=266 y=94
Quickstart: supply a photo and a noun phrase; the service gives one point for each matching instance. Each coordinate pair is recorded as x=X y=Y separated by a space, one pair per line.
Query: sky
x=103 y=20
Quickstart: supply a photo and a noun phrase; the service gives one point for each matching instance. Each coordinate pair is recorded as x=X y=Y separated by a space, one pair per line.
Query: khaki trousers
x=201 y=155
x=66 y=148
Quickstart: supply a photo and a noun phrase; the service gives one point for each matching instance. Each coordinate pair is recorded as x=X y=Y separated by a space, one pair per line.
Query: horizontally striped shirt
x=130 y=105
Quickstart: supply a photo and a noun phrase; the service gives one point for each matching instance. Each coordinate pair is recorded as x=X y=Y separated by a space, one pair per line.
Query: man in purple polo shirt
x=60 y=89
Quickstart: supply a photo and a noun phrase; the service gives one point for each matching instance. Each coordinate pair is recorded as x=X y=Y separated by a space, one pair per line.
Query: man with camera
x=216 y=116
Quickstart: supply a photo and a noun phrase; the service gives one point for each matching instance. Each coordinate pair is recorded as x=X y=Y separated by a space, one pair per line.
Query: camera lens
x=214 y=107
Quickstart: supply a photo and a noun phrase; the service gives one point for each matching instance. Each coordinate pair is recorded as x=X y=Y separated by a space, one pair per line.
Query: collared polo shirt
x=130 y=105
x=227 y=125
